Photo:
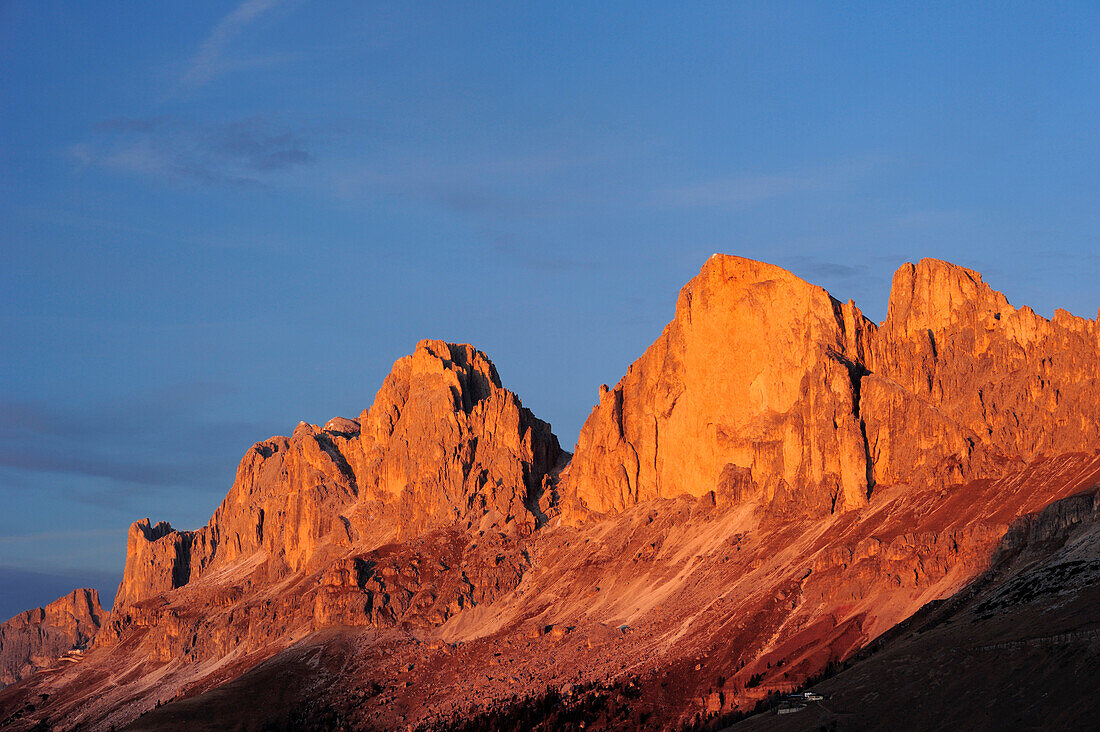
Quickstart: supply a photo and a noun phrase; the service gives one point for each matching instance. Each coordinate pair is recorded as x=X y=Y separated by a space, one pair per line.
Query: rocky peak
x=149 y=532
x=443 y=442
x=935 y=296
x=751 y=391
x=156 y=560
x=764 y=388
x=963 y=382
x=342 y=426
x=437 y=376
x=37 y=638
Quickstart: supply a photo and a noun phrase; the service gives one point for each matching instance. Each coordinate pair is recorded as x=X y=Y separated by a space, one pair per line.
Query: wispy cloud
x=121 y=443
x=127 y=469
x=242 y=152
x=751 y=190
x=211 y=60
x=132 y=124
x=529 y=255
x=815 y=267
x=60 y=535
x=492 y=185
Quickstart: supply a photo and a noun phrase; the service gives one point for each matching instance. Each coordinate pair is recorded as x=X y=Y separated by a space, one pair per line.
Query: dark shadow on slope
x=1014 y=649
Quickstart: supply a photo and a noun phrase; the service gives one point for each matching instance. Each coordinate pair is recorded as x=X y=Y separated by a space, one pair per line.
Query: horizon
x=226 y=218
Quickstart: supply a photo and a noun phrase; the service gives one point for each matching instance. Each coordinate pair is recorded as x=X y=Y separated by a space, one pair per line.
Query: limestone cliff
x=40 y=637
x=962 y=382
x=752 y=391
x=765 y=388
x=443 y=443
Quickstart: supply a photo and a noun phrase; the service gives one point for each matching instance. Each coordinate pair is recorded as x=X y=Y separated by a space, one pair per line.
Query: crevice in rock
x=867 y=463
x=181 y=573
x=338 y=459
x=656 y=449
x=856 y=372
x=634 y=490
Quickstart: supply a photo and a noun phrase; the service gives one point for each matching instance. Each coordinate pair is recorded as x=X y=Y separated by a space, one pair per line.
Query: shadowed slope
x=1017 y=649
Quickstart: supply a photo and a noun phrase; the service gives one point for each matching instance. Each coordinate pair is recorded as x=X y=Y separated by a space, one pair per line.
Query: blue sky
x=220 y=218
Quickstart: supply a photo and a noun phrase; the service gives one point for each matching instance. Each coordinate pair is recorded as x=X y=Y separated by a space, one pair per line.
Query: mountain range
x=778 y=495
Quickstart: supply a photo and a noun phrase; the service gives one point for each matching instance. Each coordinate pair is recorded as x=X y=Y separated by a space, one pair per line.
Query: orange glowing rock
x=751 y=391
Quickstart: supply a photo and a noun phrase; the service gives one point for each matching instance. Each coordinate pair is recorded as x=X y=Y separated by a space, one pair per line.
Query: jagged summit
x=36 y=638
x=443 y=442
x=750 y=392
x=773 y=484
x=764 y=387
x=934 y=295
x=976 y=383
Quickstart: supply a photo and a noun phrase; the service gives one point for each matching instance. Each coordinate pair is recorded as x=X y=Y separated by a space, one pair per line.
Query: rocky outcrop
x=776 y=482
x=38 y=638
x=157 y=559
x=443 y=443
x=419 y=584
x=752 y=391
x=963 y=383
x=765 y=388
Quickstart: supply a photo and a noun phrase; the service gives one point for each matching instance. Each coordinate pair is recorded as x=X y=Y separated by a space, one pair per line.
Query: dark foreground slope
x=1017 y=649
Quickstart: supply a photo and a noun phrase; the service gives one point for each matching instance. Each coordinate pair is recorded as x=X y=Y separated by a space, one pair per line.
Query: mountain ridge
x=774 y=483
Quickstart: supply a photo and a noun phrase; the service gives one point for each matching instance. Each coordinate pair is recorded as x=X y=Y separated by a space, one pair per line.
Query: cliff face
x=772 y=485
x=40 y=637
x=443 y=443
x=751 y=391
x=765 y=388
x=963 y=383
x=157 y=559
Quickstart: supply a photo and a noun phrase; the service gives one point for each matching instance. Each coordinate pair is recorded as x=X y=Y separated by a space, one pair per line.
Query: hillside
x=1015 y=649
x=774 y=484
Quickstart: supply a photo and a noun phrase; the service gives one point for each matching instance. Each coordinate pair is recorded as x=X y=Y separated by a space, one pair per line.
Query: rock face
x=765 y=388
x=752 y=391
x=38 y=638
x=443 y=443
x=157 y=559
x=962 y=382
x=419 y=584
x=774 y=484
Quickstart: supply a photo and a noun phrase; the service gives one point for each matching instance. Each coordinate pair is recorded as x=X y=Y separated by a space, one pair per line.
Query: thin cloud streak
x=58 y=462
x=815 y=267
x=528 y=255
x=60 y=535
x=747 y=191
x=123 y=442
x=489 y=186
x=209 y=61
x=242 y=153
